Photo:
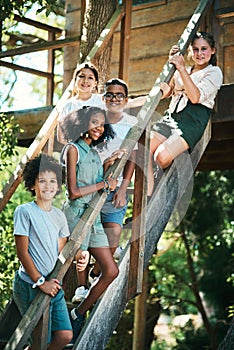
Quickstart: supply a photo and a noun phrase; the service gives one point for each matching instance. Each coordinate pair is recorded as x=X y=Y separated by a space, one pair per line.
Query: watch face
x=40 y=281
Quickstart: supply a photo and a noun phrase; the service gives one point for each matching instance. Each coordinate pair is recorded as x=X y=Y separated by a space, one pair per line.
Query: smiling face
x=96 y=126
x=201 y=52
x=46 y=186
x=115 y=105
x=86 y=80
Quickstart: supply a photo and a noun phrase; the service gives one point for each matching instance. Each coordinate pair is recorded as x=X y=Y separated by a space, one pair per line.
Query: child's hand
x=178 y=61
x=50 y=287
x=112 y=183
x=173 y=50
x=110 y=160
x=82 y=260
x=166 y=89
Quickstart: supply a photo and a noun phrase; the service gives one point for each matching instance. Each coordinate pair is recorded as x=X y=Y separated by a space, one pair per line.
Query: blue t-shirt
x=43 y=228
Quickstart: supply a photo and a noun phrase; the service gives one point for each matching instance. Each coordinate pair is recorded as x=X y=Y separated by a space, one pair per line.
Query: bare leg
x=61 y=339
x=113 y=232
x=109 y=271
x=169 y=150
x=156 y=140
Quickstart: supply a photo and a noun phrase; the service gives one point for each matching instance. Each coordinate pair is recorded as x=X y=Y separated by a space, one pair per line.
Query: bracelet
x=106 y=189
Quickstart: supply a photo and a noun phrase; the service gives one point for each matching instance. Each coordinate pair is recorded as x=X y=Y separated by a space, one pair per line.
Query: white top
x=74 y=104
x=121 y=128
x=207 y=80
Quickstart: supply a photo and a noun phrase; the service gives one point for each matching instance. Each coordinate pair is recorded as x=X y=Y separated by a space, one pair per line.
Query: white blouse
x=207 y=80
x=74 y=104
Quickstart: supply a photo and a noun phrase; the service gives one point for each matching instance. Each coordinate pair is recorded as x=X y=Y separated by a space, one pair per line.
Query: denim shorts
x=96 y=236
x=111 y=214
x=24 y=294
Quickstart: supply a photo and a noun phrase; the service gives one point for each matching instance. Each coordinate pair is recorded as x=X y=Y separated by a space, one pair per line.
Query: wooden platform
x=218 y=154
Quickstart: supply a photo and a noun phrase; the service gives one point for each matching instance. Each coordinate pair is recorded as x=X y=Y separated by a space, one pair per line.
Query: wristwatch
x=39 y=282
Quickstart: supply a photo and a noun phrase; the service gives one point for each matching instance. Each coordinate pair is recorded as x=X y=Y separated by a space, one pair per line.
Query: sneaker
x=77 y=322
x=80 y=294
x=93 y=279
x=118 y=252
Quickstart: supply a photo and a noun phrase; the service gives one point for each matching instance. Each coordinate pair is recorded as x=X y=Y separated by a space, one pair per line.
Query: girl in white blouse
x=192 y=91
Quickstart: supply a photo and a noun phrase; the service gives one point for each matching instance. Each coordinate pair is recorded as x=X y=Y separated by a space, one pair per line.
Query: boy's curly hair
x=38 y=165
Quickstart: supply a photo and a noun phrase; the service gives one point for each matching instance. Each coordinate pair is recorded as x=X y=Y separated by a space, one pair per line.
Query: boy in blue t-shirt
x=41 y=232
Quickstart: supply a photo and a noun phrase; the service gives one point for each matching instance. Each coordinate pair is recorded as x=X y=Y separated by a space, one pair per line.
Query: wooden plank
x=224 y=107
x=225 y=12
x=163 y=13
x=37 y=24
x=30 y=120
x=137 y=245
x=40 y=333
x=55 y=44
x=124 y=48
x=25 y=69
x=228 y=70
x=223 y=130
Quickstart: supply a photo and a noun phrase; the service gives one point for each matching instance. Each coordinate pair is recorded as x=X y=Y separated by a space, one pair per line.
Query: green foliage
x=189 y=338
x=8 y=140
x=20 y=7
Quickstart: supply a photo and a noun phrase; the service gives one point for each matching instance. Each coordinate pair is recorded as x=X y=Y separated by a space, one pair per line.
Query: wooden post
x=138 y=224
x=50 y=69
x=40 y=333
x=124 y=49
x=140 y=316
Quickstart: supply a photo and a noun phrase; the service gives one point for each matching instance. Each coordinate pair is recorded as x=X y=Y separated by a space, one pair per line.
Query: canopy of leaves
x=21 y=6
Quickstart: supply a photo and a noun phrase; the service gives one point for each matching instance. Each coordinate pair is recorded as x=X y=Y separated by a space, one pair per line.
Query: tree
x=9 y=8
x=96 y=16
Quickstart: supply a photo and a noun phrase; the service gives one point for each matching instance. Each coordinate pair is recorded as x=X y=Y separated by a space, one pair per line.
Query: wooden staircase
x=149 y=221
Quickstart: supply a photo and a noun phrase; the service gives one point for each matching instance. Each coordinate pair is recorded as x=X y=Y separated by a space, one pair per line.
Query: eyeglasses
x=119 y=96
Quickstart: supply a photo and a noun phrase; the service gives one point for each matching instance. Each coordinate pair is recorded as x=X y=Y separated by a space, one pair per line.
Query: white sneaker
x=118 y=252
x=80 y=294
x=92 y=280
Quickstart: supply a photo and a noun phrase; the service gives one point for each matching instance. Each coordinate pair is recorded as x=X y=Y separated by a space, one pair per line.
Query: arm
x=120 y=195
x=136 y=102
x=61 y=243
x=191 y=89
x=75 y=191
x=50 y=287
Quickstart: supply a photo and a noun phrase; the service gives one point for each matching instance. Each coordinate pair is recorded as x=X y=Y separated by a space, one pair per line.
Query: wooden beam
x=223 y=130
x=37 y=24
x=139 y=214
x=25 y=69
x=124 y=47
x=55 y=44
x=50 y=69
x=224 y=106
x=225 y=12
